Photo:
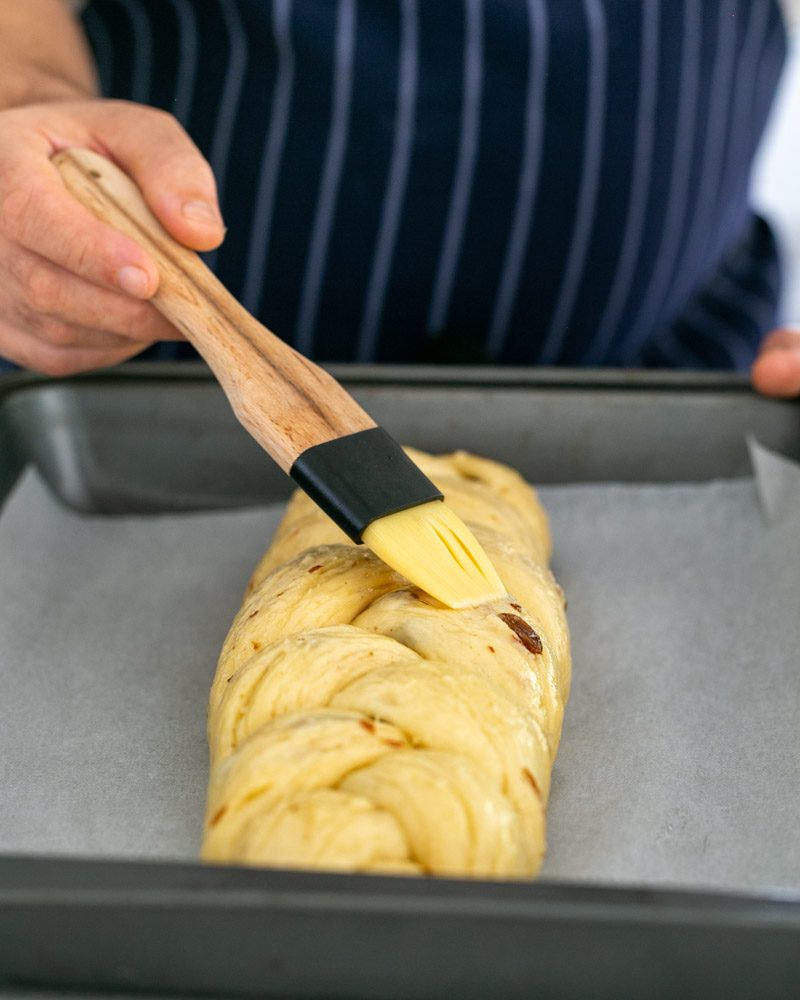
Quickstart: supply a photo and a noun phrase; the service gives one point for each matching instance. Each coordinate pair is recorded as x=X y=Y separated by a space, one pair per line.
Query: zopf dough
x=356 y=725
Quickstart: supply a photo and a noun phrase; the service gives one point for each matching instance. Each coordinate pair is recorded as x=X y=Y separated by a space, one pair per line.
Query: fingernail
x=201 y=211
x=134 y=281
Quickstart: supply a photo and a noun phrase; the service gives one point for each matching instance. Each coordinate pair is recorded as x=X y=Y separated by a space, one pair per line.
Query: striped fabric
x=513 y=181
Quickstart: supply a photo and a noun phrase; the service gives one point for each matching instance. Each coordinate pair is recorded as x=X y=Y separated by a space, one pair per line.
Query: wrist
x=26 y=83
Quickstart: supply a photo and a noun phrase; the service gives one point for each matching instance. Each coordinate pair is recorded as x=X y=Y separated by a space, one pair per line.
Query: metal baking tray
x=155 y=438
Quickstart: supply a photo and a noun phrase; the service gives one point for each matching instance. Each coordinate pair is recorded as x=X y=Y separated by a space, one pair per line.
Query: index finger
x=39 y=214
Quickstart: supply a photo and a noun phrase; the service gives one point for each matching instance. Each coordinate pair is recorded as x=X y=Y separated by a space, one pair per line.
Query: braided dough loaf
x=355 y=724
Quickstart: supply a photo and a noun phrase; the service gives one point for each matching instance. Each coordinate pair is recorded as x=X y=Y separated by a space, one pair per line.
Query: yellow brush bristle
x=434 y=549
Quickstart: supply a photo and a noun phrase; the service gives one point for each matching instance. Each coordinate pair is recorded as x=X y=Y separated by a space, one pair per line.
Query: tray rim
x=29 y=879
x=615 y=384
x=486 y=376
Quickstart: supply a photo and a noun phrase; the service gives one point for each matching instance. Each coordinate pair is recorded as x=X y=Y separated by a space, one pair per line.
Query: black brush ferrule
x=360 y=477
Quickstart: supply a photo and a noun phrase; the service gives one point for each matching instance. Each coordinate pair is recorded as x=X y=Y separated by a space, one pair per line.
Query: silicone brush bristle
x=432 y=547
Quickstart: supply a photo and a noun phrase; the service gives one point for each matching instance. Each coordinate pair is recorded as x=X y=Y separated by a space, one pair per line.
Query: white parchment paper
x=680 y=760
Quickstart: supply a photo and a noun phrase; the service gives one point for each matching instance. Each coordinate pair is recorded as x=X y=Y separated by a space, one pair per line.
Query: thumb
x=171 y=172
x=776 y=370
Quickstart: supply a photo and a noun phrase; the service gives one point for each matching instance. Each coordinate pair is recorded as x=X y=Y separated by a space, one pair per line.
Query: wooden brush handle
x=287 y=403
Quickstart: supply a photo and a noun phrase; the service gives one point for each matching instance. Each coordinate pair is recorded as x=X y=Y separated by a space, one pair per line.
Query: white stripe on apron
x=590 y=179
x=528 y=182
x=261 y=225
x=142 y=50
x=465 y=166
x=640 y=185
x=187 y=61
x=229 y=102
x=395 y=183
x=678 y=196
x=331 y=175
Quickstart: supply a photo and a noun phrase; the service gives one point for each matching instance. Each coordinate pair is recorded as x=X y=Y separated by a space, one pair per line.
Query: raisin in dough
x=357 y=725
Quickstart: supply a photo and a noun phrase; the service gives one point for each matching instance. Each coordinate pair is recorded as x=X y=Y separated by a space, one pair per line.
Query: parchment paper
x=680 y=759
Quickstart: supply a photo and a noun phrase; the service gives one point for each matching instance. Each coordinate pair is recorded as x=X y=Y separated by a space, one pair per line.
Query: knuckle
x=178 y=153
x=159 y=123
x=87 y=256
x=42 y=290
x=165 y=119
x=186 y=170
x=128 y=324
x=60 y=334
x=194 y=171
x=27 y=318
x=81 y=257
x=141 y=321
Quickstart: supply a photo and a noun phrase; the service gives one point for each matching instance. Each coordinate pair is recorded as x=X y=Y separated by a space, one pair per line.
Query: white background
x=776 y=180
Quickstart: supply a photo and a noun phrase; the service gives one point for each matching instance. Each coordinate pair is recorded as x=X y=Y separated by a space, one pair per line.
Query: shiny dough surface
x=356 y=725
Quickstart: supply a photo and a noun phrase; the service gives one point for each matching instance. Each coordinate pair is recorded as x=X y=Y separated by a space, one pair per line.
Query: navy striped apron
x=509 y=181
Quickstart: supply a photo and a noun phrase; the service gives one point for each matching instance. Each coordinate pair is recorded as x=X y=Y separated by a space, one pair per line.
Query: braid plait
x=357 y=725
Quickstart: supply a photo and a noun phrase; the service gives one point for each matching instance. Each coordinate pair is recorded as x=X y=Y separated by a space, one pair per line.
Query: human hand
x=74 y=291
x=776 y=370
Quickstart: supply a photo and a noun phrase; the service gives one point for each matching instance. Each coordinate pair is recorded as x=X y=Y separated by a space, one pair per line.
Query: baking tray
x=161 y=438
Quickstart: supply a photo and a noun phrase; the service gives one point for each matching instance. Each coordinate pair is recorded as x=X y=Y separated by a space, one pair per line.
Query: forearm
x=44 y=55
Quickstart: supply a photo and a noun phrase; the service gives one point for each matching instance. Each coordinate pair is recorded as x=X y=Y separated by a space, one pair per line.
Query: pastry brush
x=296 y=411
